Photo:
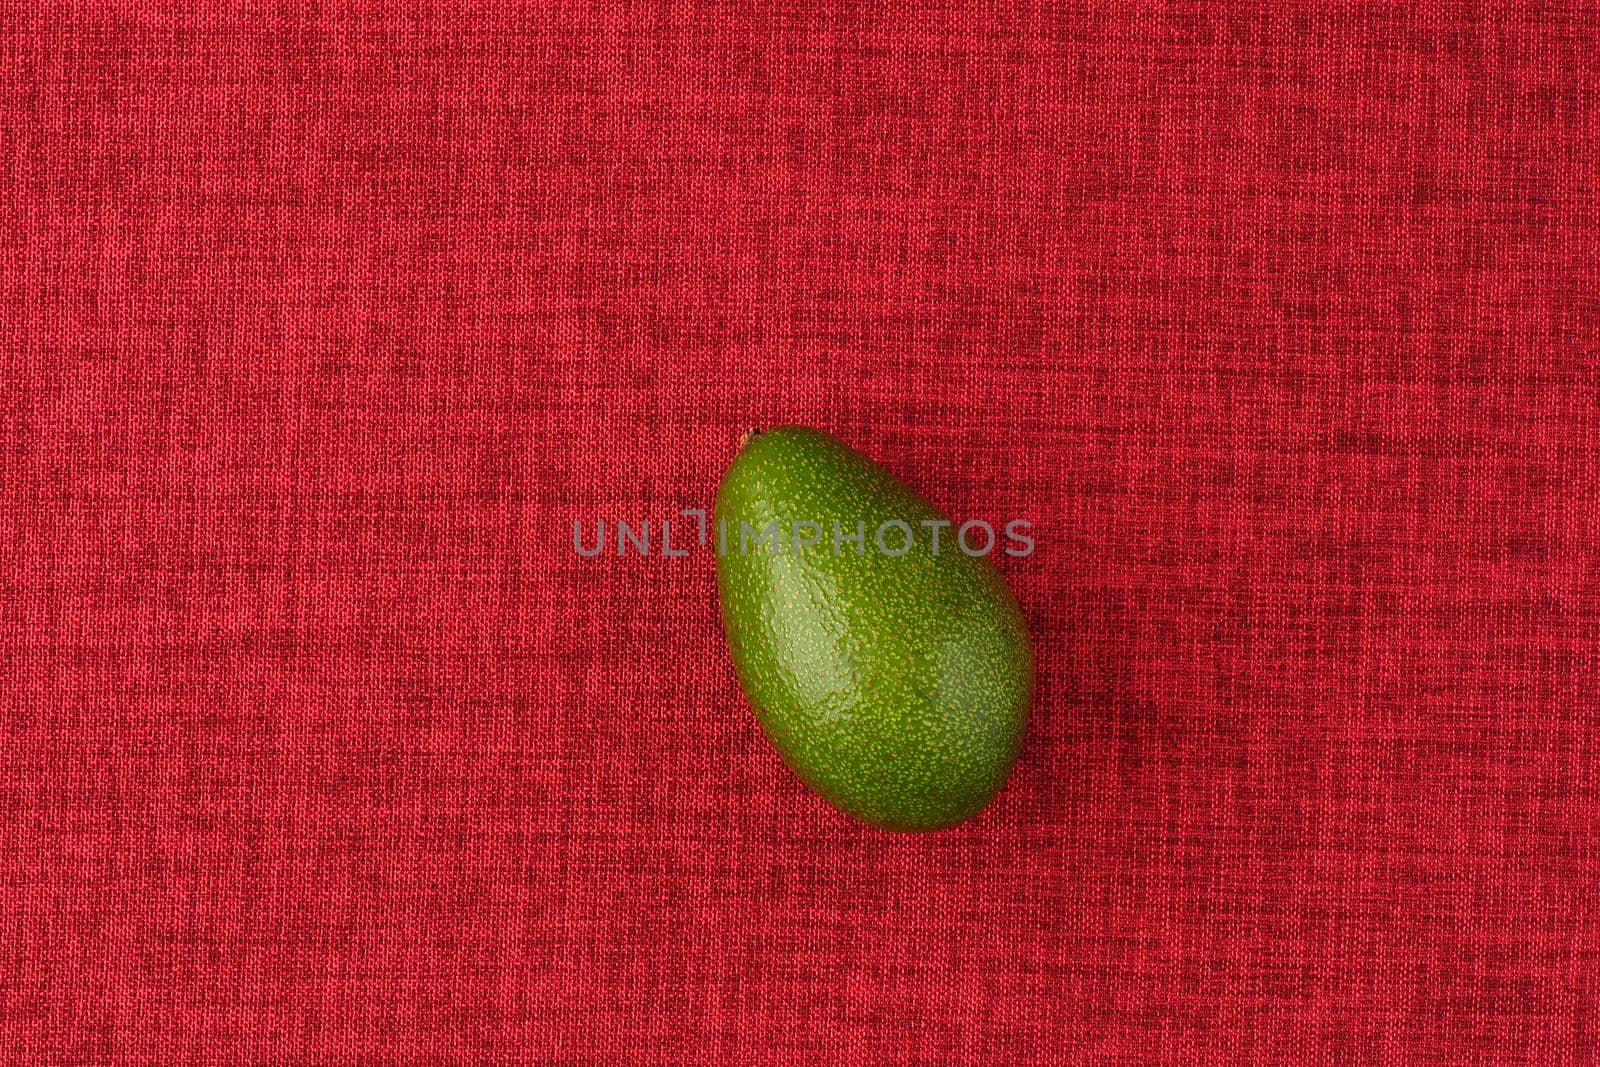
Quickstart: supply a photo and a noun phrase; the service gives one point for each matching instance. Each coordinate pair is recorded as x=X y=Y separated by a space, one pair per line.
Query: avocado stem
x=749 y=435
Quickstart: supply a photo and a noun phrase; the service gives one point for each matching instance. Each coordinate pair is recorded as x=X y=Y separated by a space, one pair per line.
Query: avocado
x=889 y=667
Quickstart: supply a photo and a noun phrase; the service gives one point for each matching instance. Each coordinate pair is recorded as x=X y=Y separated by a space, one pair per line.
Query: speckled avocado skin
x=896 y=687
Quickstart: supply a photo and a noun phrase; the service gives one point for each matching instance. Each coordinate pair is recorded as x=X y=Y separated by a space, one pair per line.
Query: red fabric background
x=322 y=325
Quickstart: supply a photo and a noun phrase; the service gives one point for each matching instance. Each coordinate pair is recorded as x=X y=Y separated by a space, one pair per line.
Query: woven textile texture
x=323 y=324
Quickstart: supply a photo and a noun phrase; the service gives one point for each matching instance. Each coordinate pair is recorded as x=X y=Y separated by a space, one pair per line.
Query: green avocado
x=894 y=679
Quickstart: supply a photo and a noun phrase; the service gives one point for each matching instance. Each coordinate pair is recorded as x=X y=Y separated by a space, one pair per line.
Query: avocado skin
x=897 y=688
